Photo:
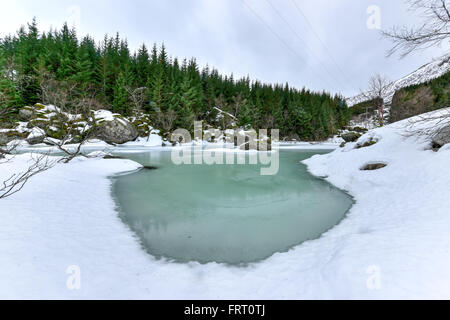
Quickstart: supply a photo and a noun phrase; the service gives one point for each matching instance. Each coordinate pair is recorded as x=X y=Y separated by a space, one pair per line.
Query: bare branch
x=72 y=115
x=17 y=181
x=165 y=120
x=377 y=90
x=137 y=97
x=434 y=31
x=427 y=125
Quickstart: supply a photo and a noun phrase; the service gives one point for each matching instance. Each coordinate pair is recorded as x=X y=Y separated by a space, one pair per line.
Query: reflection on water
x=226 y=213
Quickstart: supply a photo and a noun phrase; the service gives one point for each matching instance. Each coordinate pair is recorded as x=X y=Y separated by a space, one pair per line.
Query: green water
x=226 y=213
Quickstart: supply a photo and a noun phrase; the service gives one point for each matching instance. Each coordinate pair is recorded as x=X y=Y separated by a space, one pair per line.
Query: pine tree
x=10 y=98
x=83 y=71
x=188 y=98
x=120 y=101
x=111 y=72
x=142 y=66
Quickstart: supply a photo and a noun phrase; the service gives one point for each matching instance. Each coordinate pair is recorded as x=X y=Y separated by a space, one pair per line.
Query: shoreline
x=102 y=146
x=393 y=228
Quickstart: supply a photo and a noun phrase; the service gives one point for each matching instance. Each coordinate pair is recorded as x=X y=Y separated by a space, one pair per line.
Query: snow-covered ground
x=393 y=244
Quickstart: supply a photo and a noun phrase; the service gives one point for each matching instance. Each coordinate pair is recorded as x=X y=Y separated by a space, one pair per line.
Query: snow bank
x=153 y=140
x=393 y=244
x=401 y=218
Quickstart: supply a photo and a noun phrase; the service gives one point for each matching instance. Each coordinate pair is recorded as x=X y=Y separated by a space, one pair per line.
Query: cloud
x=331 y=49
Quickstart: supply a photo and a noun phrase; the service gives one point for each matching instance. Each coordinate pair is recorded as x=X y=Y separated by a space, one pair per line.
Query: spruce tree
x=110 y=71
x=120 y=100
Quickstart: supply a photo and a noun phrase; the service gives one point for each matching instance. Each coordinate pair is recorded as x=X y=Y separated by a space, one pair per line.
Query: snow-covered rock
x=7 y=135
x=442 y=137
x=25 y=114
x=350 y=136
x=36 y=136
x=153 y=140
x=116 y=131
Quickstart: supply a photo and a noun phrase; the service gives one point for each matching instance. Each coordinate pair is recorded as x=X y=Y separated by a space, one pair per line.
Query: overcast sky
x=322 y=44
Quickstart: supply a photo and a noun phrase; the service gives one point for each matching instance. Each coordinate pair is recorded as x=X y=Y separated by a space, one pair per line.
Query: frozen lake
x=225 y=213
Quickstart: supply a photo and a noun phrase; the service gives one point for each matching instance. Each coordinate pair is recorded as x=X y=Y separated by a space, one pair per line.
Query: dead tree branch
x=434 y=31
x=377 y=90
x=16 y=182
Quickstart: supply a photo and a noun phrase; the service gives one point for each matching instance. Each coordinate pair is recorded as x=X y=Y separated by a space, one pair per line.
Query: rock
x=116 y=131
x=373 y=166
x=142 y=123
x=108 y=156
x=4 y=138
x=359 y=129
x=366 y=144
x=36 y=136
x=40 y=123
x=351 y=136
x=8 y=136
x=36 y=140
x=442 y=137
x=26 y=114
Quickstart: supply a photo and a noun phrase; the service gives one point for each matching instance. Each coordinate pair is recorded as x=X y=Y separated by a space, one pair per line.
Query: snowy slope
x=393 y=244
x=425 y=73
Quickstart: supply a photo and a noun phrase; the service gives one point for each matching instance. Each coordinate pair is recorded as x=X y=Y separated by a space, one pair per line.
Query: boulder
x=8 y=136
x=26 y=114
x=442 y=137
x=359 y=129
x=4 y=138
x=351 y=136
x=39 y=123
x=36 y=140
x=116 y=131
x=365 y=144
x=36 y=136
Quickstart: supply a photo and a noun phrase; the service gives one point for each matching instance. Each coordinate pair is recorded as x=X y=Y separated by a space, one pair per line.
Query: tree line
x=173 y=92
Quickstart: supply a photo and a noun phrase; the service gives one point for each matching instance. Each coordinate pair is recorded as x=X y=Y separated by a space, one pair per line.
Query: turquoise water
x=225 y=213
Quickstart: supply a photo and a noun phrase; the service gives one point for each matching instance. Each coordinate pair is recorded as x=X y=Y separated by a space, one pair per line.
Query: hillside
x=429 y=84
x=420 y=98
x=430 y=71
x=59 y=68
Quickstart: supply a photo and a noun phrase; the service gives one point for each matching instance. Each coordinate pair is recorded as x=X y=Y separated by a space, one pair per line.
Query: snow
x=397 y=232
x=153 y=140
x=36 y=132
x=307 y=146
x=330 y=144
x=105 y=115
